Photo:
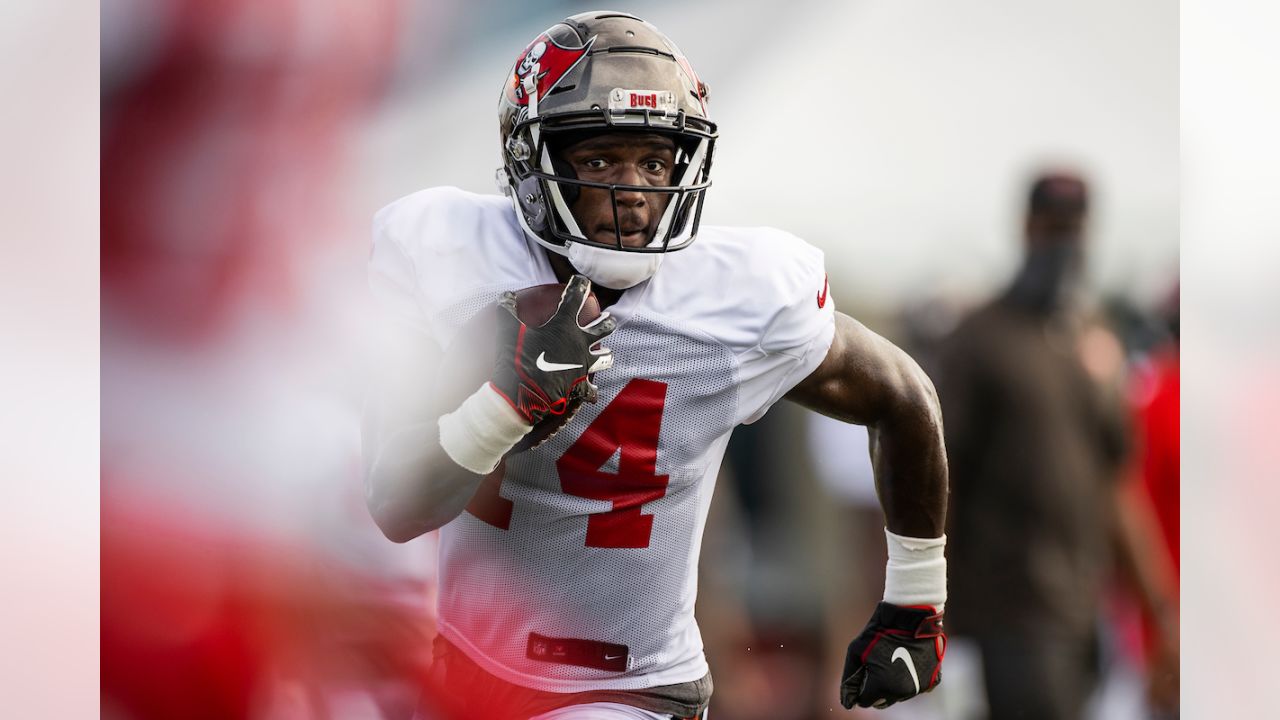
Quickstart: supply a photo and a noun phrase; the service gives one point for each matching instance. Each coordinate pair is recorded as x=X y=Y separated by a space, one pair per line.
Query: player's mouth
x=631 y=237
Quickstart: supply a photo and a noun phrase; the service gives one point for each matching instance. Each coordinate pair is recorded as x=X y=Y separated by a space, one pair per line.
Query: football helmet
x=601 y=72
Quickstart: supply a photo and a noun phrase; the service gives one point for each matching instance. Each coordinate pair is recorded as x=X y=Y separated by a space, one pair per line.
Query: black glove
x=539 y=370
x=896 y=657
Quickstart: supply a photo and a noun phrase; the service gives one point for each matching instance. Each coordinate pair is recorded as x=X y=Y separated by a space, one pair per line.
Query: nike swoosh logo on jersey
x=822 y=296
x=548 y=366
x=902 y=654
x=611 y=657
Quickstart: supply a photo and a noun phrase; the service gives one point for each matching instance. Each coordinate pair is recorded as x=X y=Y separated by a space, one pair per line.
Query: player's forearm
x=426 y=473
x=910 y=461
x=414 y=487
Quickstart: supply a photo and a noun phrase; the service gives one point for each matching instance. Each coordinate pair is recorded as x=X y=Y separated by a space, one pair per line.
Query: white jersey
x=595 y=534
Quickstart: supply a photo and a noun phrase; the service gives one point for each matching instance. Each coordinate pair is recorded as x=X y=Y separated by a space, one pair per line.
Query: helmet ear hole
x=532 y=204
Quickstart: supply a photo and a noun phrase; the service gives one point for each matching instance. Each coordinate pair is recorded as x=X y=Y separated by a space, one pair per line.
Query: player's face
x=645 y=159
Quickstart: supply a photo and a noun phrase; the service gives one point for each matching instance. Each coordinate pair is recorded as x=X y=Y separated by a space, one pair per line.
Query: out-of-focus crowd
x=242 y=577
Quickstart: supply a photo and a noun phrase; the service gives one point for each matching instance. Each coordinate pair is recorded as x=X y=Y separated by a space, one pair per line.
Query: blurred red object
x=1159 y=427
x=221 y=145
x=207 y=621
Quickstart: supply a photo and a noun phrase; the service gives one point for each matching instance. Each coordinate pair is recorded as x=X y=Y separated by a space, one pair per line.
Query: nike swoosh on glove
x=540 y=369
x=896 y=657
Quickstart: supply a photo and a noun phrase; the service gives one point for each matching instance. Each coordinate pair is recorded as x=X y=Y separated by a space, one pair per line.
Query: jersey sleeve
x=438 y=255
x=799 y=316
x=393 y=275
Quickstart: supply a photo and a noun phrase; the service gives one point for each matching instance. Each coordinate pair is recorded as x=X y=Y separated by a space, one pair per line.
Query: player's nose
x=631 y=174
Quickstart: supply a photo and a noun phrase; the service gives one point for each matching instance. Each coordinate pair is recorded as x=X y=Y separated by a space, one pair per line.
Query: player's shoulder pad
x=762 y=288
x=440 y=220
x=443 y=243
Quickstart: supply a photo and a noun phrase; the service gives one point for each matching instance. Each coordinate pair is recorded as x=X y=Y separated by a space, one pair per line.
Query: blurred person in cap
x=1038 y=439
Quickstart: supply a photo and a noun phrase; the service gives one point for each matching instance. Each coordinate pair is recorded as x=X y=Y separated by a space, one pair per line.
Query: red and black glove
x=540 y=369
x=896 y=657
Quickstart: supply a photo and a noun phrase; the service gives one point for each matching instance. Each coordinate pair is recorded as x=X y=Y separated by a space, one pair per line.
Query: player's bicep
x=862 y=378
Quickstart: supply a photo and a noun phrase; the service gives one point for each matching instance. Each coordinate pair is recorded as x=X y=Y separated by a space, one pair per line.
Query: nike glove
x=540 y=369
x=896 y=657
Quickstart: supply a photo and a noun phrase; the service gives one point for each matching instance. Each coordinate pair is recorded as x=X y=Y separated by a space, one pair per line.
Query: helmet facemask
x=681 y=201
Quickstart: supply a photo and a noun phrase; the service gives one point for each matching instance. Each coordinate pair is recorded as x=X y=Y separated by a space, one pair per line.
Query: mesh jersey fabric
x=606 y=518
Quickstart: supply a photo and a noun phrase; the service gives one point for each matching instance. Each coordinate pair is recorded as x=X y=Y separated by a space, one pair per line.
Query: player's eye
x=654 y=166
x=595 y=163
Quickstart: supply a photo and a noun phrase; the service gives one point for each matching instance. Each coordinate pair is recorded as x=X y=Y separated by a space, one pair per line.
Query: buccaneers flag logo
x=554 y=62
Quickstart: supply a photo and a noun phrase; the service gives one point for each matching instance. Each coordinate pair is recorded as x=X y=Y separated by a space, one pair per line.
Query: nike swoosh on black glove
x=896 y=657
x=539 y=370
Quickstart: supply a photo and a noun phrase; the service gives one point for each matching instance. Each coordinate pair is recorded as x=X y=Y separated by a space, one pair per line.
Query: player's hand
x=540 y=369
x=896 y=657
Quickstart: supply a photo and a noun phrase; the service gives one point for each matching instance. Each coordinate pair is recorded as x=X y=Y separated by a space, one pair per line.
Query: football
x=535 y=305
x=468 y=361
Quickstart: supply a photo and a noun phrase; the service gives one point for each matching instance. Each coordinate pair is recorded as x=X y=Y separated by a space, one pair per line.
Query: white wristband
x=917 y=571
x=481 y=430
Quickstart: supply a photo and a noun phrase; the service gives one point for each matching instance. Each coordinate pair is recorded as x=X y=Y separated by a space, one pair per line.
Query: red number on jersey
x=628 y=427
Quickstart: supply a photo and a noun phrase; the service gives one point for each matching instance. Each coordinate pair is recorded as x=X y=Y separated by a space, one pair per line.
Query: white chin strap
x=614 y=269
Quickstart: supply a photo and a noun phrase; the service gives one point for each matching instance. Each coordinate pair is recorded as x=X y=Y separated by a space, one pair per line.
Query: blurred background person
x=1038 y=438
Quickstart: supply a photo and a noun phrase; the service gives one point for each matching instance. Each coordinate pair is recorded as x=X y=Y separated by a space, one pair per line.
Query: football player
x=568 y=570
